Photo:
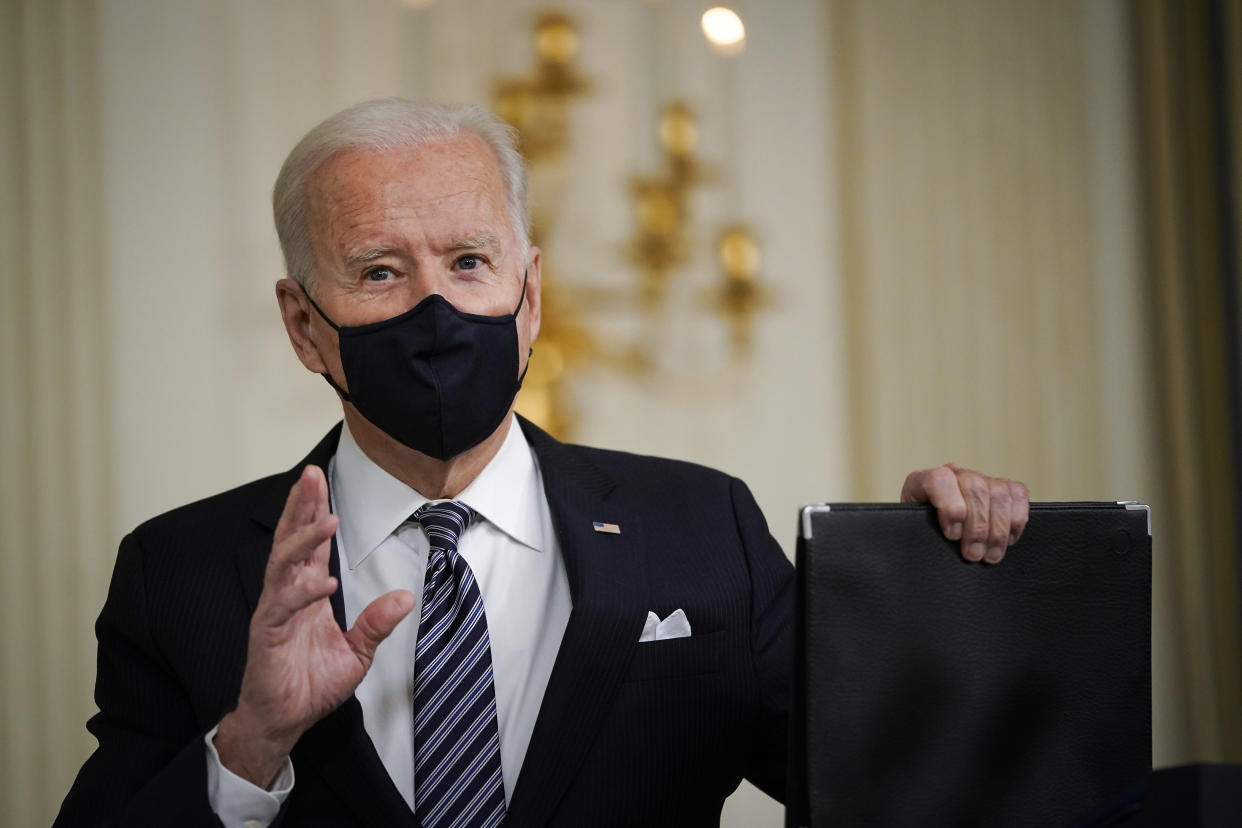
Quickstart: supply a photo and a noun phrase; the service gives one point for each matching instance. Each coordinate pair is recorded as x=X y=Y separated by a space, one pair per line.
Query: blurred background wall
x=995 y=232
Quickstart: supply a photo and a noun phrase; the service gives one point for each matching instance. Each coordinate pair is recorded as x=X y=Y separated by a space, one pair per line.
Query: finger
x=310 y=546
x=999 y=512
x=974 y=490
x=939 y=487
x=317 y=494
x=297 y=596
x=914 y=489
x=289 y=516
x=307 y=500
x=377 y=621
x=1020 y=510
x=318 y=482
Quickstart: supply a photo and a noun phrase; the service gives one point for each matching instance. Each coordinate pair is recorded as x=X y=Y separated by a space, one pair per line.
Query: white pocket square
x=675 y=626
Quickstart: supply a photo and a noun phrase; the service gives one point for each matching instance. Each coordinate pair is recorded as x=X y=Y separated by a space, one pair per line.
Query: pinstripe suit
x=628 y=733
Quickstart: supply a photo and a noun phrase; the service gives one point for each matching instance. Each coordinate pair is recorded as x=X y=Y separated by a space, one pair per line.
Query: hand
x=987 y=514
x=299 y=665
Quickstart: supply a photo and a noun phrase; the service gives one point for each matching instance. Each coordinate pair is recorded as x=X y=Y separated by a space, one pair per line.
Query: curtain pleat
x=55 y=462
x=1186 y=63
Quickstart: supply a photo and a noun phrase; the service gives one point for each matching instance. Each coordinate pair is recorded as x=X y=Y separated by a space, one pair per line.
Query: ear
x=299 y=319
x=534 y=282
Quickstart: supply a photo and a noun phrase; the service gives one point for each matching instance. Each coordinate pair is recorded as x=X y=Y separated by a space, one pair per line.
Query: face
x=391 y=228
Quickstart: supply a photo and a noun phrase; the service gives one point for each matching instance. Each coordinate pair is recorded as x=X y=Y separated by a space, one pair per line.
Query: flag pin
x=607 y=528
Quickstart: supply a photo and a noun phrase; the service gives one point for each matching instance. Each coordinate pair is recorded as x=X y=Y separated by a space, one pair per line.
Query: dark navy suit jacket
x=628 y=734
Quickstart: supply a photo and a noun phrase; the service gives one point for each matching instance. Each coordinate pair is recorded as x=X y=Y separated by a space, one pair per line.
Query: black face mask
x=436 y=379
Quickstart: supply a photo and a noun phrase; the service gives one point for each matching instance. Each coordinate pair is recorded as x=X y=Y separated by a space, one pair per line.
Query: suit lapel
x=604 y=572
x=341 y=752
x=251 y=563
x=337 y=746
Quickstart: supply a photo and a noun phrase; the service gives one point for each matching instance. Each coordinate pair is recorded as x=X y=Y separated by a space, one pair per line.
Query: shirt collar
x=371 y=503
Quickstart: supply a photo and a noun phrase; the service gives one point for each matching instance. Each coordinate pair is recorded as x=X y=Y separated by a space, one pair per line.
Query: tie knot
x=444 y=521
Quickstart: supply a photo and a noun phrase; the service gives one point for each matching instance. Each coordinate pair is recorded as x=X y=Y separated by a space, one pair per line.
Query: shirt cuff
x=237 y=802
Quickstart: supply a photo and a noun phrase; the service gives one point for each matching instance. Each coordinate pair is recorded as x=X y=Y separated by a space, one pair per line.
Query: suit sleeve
x=771 y=636
x=150 y=766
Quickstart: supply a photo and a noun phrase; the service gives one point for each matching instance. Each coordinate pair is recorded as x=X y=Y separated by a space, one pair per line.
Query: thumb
x=377 y=621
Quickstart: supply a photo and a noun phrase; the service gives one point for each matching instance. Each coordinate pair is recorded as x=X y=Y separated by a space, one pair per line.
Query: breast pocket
x=673 y=657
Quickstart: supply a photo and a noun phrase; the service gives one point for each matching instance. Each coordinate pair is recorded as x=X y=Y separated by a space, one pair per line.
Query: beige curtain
x=1190 y=83
x=55 y=497
x=991 y=224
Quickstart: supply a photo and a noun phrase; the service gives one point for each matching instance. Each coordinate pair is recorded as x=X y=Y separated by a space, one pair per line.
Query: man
x=579 y=637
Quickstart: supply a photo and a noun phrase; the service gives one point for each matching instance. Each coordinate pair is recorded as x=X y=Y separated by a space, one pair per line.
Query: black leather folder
x=930 y=691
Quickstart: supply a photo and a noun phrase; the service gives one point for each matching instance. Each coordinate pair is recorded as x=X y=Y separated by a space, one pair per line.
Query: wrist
x=247 y=752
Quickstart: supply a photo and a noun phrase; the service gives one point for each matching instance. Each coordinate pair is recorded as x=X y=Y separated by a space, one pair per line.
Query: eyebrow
x=483 y=241
x=479 y=242
x=368 y=255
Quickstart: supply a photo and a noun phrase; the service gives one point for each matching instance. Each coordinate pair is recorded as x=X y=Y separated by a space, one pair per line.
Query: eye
x=469 y=262
x=377 y=274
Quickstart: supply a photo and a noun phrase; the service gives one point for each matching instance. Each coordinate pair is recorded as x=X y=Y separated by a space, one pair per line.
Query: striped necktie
x=457 y=778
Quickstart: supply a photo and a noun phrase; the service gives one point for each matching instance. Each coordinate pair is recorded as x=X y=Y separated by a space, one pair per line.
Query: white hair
x=382 y=125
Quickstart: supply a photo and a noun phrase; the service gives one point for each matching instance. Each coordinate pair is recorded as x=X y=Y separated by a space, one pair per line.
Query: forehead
x=443 y=182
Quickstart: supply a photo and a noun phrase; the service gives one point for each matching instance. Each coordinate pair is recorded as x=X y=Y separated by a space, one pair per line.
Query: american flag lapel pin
x=607 y=528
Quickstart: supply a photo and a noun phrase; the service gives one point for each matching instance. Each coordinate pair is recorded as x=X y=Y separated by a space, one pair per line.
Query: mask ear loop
x=522 y=298
x=319 y=310
x=338 y=389
x=530 y=352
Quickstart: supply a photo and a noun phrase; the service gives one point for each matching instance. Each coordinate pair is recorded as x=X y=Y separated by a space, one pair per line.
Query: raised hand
x=299 y=665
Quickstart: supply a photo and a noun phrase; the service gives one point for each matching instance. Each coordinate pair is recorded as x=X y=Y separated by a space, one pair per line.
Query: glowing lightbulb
x=724 y=30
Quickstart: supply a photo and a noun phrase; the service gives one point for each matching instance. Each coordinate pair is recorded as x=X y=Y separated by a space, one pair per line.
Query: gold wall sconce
x=538 y=105
x=740 y=295
x=661 y=243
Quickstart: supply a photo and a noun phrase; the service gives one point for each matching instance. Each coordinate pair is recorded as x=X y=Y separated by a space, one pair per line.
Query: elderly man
x=570 y=636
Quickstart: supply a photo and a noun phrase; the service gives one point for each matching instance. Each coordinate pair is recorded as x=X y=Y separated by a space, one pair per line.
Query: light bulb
x=724 y=30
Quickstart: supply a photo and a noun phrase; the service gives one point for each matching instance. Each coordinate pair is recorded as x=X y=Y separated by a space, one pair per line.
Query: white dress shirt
x=511 y=548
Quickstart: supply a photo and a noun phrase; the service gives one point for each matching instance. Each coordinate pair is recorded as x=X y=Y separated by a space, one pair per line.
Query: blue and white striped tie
x=457 y=779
